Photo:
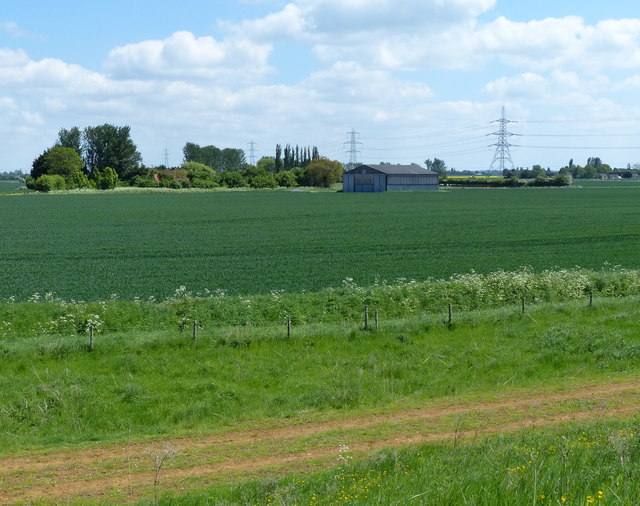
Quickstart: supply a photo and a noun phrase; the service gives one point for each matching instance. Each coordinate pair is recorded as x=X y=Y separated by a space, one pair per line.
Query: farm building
x=382 y=178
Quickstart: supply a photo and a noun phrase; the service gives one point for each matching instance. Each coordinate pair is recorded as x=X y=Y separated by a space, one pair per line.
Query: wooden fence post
x=450 y=314
x=90 y=337
x=195 y=329
x=377 y=320
x=288 y=327
x=523 y=304
x=590 y=299
x=366 y=317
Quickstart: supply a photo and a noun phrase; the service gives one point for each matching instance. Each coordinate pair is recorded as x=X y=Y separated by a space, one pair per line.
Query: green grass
x=595 y=463
x=89 y=246
x=54 y=392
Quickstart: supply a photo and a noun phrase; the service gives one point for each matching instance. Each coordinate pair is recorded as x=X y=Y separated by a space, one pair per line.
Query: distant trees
x=71 y=138
x=591 y=170
x=110 y=146
x=535 y=172
x=268 y=164
x=220 y=160
x=102 y=156
x=436 y=165
x=324 y=172
x=82 y=157
x=58 y=160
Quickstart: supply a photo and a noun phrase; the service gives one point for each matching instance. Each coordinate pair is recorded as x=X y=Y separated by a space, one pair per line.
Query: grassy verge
x=54 y=392
x=44 y=314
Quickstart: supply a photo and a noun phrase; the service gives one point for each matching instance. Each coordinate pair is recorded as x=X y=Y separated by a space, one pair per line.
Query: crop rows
x=146 y=245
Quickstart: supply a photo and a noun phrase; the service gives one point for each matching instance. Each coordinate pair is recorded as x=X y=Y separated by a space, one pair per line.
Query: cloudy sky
x=416 y=79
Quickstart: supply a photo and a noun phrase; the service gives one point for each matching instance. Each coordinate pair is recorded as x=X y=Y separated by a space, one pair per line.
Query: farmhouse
x=381 y=178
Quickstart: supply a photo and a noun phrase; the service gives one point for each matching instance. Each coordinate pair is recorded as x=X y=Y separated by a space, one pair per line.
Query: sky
x=414 y=79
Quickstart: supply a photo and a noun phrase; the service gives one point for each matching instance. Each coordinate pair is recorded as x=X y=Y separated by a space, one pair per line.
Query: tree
x=110 y=146
x=324 y=172
x=594 y=161
x=71 y=138
x=267 y=163
x=57 y=160
x=437 y=165
x=538 y=172
x=278 y=158
x=232 y=159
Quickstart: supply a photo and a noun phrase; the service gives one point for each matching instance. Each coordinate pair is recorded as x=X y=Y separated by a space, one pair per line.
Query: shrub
x=265 y=180
x=232 y=179
x=49 y=183
x=78 y=180
x=107 y=179
x=286 y=179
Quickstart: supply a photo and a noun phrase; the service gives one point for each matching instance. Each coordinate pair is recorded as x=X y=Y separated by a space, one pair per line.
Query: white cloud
x=629 y=84
x=184 y=56
x=290 y=22
x=14 y=30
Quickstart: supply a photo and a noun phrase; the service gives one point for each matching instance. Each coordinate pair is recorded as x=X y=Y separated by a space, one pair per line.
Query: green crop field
x=10 y=186
x=89 y=246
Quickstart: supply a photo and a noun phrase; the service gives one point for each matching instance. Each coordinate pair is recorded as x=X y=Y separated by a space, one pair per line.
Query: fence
x=195 y=325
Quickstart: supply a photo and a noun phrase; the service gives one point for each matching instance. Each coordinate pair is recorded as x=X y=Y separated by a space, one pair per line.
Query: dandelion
x=591 y=499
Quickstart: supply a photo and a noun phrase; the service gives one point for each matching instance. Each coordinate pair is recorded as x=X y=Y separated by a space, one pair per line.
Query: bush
x=49 y=183
x=232 y=179
x=78 y=180
x=265 y=180
x=286 y=179
x=107 y=179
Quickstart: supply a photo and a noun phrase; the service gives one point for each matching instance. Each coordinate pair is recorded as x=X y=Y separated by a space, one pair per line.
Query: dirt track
x=125 y=472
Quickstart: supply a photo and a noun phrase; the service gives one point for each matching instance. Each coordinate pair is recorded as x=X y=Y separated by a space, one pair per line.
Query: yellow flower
x=600 y=494
x=563 y=499
x=591 y=499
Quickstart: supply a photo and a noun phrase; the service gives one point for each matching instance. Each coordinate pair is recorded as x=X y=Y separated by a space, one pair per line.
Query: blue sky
x=416 y=78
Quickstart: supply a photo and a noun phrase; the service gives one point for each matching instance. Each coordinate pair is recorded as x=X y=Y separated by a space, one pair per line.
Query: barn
x=382 y=178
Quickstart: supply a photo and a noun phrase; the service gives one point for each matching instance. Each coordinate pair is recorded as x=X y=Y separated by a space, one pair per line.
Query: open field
x=499 y=406
x=91 y=246
x=250 y=403
x=10 y=186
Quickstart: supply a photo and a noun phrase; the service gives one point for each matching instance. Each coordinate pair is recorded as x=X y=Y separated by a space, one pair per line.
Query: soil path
x=126 y=471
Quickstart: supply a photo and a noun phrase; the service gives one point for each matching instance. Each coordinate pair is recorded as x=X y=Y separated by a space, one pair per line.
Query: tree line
x=95 y=157
x=105 y=156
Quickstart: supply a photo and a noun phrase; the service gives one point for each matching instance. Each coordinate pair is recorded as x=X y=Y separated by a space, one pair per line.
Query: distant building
x=381 y=178
x=610 y=176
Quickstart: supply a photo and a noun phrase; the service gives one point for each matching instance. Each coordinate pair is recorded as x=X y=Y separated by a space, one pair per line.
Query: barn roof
x=395 y=169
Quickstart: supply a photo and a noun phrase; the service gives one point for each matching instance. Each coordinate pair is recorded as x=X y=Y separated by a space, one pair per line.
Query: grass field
x=498 y=406
x=238 y=404
x=91 y=246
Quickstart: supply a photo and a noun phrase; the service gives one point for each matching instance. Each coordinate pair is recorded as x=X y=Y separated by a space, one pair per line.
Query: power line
x=576 y=147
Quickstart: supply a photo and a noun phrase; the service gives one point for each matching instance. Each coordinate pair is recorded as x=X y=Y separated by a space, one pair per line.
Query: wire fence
x=371 y=319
